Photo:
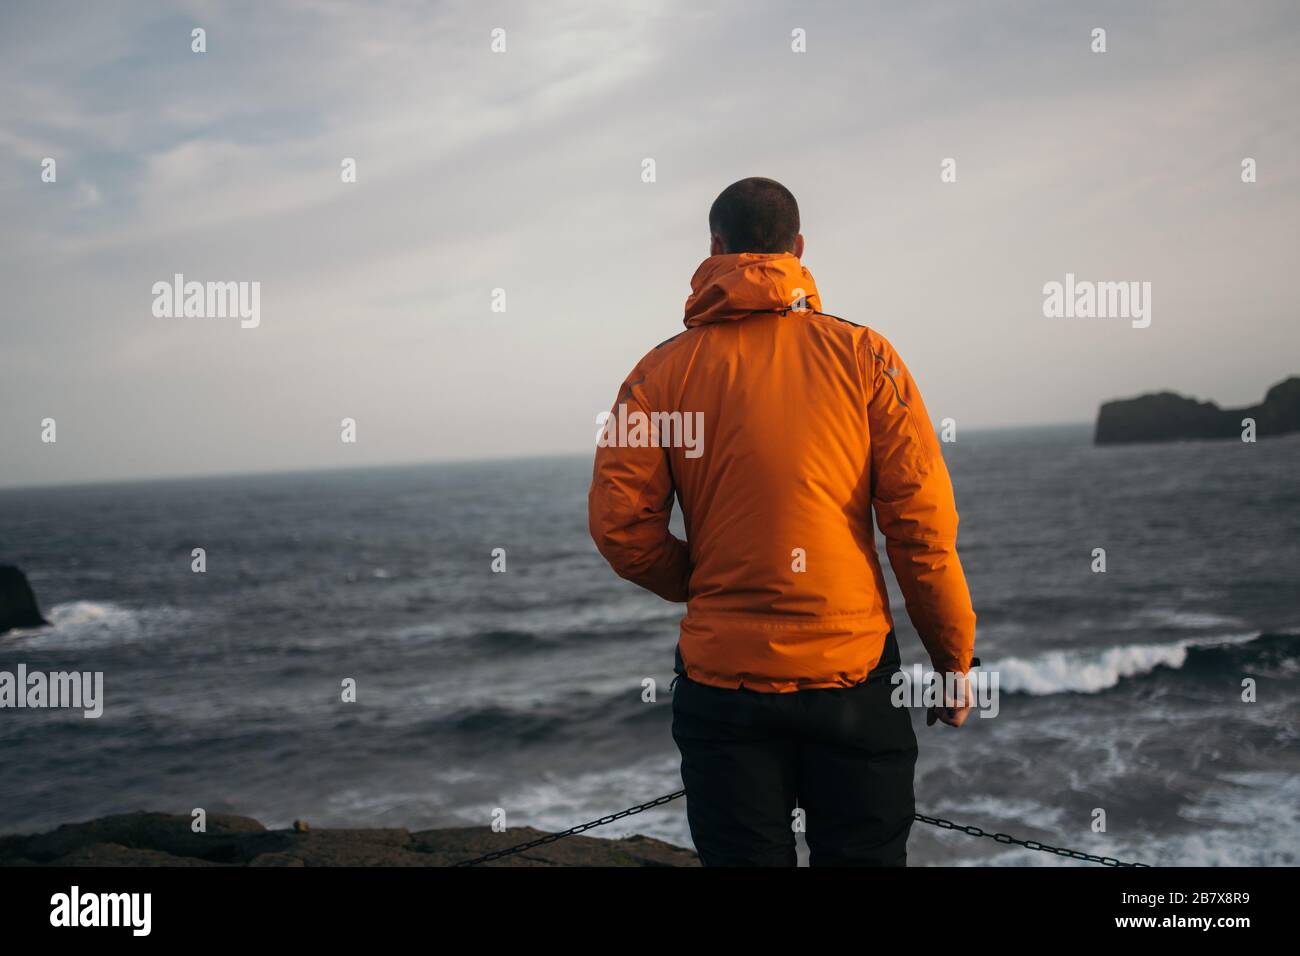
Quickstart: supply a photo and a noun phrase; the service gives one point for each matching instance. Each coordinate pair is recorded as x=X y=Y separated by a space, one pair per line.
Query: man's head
x=755 y=215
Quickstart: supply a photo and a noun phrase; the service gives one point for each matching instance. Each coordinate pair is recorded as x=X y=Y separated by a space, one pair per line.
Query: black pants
x=845 y=756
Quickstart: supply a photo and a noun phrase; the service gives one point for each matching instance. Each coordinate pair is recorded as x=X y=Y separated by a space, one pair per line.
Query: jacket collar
x=729 y=287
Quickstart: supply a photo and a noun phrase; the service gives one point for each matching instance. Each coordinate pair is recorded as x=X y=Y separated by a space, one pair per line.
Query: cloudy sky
x=522 y=170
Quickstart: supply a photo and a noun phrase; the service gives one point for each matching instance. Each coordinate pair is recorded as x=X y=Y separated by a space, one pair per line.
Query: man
x=808 y=423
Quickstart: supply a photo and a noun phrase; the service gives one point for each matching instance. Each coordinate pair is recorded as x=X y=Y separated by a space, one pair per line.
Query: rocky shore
x=160 y=839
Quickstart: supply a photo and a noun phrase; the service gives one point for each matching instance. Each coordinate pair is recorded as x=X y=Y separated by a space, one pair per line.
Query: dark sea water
x=522 y=690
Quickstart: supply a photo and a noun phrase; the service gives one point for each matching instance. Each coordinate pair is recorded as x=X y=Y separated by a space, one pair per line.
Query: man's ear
x=798 y=246
x=715 y=245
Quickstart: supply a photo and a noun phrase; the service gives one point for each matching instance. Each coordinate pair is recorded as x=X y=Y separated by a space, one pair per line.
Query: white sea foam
x=1091 y=671
x=76 y=624
x=1251 y=819
x=554 y=804
x=68 y=617
x=79 y=613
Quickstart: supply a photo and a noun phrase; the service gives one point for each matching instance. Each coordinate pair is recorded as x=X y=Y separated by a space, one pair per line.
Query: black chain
x=552 y=837
x=1027 y=844
x=920 y=818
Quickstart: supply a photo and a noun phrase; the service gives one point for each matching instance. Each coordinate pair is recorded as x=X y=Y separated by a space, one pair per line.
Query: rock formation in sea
x=1167 y=416
x=17 y=602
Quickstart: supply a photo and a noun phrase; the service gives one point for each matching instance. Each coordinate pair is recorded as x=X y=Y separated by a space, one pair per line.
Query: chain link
x=919 y=817
x=1027 y=844
x=552 y=837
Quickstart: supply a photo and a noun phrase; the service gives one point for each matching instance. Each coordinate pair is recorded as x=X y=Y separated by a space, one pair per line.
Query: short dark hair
x=755 y=215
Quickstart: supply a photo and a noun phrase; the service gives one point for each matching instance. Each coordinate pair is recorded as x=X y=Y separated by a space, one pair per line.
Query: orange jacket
x=791 y=427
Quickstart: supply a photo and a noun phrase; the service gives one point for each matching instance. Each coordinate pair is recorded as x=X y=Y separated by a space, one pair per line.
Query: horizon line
x=414 y=463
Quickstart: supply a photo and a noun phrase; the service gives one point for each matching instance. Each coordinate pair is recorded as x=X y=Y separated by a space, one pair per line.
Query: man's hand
x=957 y=705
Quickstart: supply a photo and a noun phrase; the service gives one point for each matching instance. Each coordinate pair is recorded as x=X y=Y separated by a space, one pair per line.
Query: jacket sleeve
x=628 y=509
x=913 y=501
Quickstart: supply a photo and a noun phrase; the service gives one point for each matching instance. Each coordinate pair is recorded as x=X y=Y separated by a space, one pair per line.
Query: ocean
x=1120 y=691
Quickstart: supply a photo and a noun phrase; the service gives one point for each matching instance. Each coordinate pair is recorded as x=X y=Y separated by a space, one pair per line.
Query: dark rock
x=17 y=602
x=467 y=843
x=275 y=859
x=160 y=839
x=1166 y=416
x=111 y=854
x=162 y=832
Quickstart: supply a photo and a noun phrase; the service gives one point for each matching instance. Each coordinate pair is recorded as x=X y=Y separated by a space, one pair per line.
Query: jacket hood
x=729 y=287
